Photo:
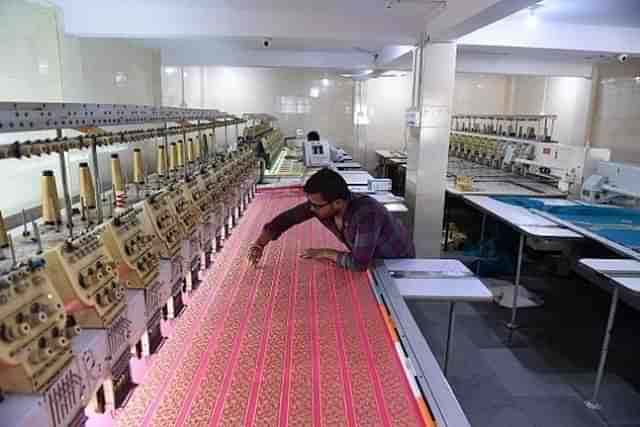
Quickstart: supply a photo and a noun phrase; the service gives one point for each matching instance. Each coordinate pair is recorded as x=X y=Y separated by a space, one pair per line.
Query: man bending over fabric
x=362 y=223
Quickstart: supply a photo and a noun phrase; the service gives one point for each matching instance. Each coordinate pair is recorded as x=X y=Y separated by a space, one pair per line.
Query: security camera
x=388 y=4
x=622 y=58
x=266 y=43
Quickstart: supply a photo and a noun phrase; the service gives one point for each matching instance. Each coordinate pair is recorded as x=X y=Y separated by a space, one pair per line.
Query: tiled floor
x=547 y=373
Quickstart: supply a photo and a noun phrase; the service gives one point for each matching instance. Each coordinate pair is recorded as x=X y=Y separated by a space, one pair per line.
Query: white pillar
x=429 y=146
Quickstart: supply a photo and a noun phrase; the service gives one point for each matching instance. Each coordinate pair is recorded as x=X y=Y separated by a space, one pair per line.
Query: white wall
x=238 y=90
x=109 y=72
x=477 y=93
x=387 y=100
x=569 y=98
x=40 y=65
x=29 y=42
x=616 y=122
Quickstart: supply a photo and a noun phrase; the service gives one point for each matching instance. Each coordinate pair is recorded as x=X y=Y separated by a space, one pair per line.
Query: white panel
x=30 y=69
x=477 y=93
x=616 y=123
x=284 y=93
x=387 y=101
x=569 y=98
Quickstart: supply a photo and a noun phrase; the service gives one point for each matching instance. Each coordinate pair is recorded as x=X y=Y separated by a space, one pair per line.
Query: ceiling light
x=367 y=72
x=325 y=82
x=394 y=73
x=346 y=75
x=170 y=70
x=532 y=18
x=314 y=92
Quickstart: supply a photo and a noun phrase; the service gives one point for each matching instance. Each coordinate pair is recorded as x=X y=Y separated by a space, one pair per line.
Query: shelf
x=523 y=117
x=502 y=138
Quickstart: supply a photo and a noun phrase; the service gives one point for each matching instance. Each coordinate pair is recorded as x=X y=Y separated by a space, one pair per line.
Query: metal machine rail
x=437 y=391
x=20 y=117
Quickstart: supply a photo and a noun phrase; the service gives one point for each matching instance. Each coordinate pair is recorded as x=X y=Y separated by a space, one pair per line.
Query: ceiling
x=351 y=34
x=616 y=13
x=588 y=27
x=407 y=8
x=541 y=54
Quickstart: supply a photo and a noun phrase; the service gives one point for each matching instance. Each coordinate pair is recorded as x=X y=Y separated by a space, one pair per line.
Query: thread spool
x=87 y=188
x=205 y=146
x=162 y=160
x=190 y=151
x=50 y=200
x=138 y=166
x=173 y=157
x=119 y=191
x=180 y=157
x=196 y=149
x=4 y=239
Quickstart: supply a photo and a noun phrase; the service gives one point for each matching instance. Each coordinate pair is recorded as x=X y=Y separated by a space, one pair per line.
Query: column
x=428 y=145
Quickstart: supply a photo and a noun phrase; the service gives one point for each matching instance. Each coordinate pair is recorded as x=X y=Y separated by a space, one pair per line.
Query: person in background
x=363 y=224
x=313 y=136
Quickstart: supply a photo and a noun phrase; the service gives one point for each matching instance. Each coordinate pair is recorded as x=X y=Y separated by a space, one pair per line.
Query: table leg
x=449 y=347
x=482 y=231
x=446 y=229
x=593 y=403
x=514 y=310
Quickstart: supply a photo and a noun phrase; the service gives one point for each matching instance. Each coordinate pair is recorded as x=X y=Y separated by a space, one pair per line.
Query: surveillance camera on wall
x=266 y=43
x=622 y=58
x=388 y=4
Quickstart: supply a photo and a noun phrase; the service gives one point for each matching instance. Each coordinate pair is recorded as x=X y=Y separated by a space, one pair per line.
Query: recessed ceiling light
x=532 y=18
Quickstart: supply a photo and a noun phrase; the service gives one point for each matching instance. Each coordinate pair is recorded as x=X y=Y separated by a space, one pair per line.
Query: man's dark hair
x=329 y=183
x=313 y=136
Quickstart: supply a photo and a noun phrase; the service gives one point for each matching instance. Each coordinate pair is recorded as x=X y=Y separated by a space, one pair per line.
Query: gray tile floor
x=546 y=374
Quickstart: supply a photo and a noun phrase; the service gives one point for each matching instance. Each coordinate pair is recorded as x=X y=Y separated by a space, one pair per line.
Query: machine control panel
x=86 y=278
x=132 y=249
x=35 y=333
x=188 y=214
x=158 y=219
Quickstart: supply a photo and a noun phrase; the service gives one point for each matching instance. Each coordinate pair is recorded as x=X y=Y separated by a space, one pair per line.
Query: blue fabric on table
x=618 y=224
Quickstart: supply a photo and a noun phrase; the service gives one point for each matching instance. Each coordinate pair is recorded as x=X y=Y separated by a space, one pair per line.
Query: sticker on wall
x=435 y=116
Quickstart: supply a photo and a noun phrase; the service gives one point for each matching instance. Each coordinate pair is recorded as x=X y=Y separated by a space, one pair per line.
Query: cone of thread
x=4 y=239
x=138 y=166
x=190 y=151
x=50 y=200
x=180 y=157
x=162 y=160
x=205 y=145
x=87 y=188
x=173 y=156
x=196 y=149
x=116 y=173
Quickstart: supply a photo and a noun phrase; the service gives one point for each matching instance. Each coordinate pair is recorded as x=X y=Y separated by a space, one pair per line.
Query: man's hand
x=254 y=254
x=330 y=254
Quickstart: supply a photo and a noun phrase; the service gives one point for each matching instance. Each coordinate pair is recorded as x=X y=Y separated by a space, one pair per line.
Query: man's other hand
x=254 y=254
x=313 y=253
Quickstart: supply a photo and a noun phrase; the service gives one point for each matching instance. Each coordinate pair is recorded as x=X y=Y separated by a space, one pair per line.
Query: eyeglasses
x=316 y=206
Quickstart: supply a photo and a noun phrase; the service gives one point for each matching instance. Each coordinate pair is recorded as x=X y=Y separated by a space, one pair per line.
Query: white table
x=356 y=177
x=443 y=280
x=526 y=223
x=346 y=166
x=620 y=273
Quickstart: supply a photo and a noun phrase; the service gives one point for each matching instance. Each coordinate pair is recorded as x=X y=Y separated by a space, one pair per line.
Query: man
x=360 y=222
